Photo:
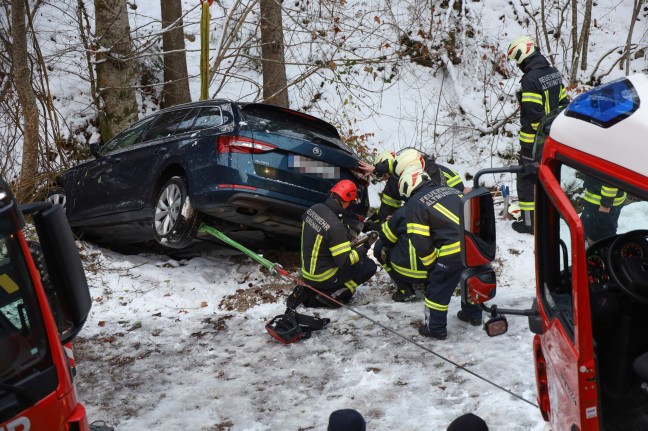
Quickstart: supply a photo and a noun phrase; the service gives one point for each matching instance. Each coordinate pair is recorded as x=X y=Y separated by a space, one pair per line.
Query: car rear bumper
x=254 y=208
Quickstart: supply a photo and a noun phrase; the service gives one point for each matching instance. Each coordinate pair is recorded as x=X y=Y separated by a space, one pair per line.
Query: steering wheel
x=631 y=272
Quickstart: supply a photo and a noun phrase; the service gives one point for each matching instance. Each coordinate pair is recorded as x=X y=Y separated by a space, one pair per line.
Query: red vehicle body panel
x=60 y=409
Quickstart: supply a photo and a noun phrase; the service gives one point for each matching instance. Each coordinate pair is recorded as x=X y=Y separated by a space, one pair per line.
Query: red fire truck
x=590 y=313
x=44 y=302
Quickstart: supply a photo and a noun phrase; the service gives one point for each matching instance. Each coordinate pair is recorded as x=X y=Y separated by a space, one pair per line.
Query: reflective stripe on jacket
x=600 y=194
x=542 y=92
x=325 y=242
x=390 y=198
x=402 y=255
x=433 y=223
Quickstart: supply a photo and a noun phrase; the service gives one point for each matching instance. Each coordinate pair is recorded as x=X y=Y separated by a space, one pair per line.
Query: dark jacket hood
x=534 y=61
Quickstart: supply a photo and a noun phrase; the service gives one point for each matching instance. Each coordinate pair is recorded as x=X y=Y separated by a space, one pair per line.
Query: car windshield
x=293 y=125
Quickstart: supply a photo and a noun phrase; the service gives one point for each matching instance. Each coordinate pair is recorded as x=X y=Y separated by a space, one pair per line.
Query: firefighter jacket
x=402 y=255
x=433 y=223
x=601 y=194
x=325 y=242
x=542 y=91
x=390 y=199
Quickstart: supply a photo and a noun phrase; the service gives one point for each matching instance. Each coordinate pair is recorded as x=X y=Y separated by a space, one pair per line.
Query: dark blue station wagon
x=245 y=168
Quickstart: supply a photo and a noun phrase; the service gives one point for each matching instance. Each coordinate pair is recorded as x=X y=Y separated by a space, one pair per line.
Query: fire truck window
x=555 y=257
x=23 y=342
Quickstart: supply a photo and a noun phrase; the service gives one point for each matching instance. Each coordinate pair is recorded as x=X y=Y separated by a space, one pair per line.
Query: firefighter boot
x=425 y=331
x=463 y=316
x=300 y=295
x=525 y=224
x=404 y=293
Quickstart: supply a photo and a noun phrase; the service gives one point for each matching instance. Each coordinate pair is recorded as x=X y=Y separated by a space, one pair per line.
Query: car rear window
x=166 y=124
x=292 y=124
x=209 y=117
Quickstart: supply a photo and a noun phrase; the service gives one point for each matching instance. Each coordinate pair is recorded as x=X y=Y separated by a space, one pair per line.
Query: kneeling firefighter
x=394 y=250
x=329 y=262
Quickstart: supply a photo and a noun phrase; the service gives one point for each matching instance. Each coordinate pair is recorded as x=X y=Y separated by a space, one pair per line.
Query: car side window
x=187 y=122
x=211 y=116
x=165 y=125
x=128 y=137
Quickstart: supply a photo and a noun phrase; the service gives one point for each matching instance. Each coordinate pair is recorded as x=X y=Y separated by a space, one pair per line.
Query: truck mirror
x=478 y=225
x=496 y=325
x=64 y=267
x=478 y=285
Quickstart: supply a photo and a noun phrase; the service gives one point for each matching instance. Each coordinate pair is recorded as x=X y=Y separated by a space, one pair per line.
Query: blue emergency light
x=606 y=105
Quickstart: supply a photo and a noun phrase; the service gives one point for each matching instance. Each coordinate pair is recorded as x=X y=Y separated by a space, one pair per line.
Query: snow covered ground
x=181 y=344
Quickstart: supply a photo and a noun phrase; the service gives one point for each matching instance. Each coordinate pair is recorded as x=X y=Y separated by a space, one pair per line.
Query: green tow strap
x=227 y=240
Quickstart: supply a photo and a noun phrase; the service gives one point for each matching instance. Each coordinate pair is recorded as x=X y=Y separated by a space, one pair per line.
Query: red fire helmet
x=346 y=189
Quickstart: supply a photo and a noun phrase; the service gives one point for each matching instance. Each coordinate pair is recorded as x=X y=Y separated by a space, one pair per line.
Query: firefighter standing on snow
x=432 y=213
x=542 y=91
x=389 y=166
x=328 y=262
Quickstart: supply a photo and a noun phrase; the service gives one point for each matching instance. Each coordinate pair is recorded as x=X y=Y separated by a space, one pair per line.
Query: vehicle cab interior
x=614 y=219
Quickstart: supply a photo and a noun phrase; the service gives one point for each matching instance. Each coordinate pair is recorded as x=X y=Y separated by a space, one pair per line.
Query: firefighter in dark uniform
x=432 y=213
x=601 y=209
x=397 y=255
x=328 y=262
x=541 y=92
x=390 y=198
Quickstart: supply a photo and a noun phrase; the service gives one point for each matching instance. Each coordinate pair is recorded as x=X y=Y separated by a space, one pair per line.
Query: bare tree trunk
x=626 y=56
x=574 y=40
x=585 y=32
x=27 y=99
x=176 y=82
x=275 y=83
x=116 y=71
x=84 y=26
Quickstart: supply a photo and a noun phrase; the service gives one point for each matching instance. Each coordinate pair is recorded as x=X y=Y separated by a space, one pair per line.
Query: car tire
x=57 y=197
x=175 y=221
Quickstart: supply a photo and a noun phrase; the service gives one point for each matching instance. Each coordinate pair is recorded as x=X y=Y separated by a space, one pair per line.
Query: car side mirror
x=478 y=225
x=496 y=325
x=478 y=285
x=94 y=149
x=64 y=267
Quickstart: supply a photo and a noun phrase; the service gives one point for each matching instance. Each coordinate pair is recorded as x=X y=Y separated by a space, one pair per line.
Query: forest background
x=388 y=74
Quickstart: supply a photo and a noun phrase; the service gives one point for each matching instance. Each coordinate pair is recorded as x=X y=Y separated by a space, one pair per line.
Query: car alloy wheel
x=167 y=209
x=57 y=197
x=175 y=221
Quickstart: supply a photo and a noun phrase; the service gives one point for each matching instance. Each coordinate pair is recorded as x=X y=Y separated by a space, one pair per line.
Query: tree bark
x=275 y=83
x=22 y=78
x=626 y=55
x=176 y=82
x=585 y=32
x=116 y=70
x=574 y=39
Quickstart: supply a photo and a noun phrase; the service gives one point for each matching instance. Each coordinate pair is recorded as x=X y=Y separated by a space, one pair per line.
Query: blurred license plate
x=306 y=165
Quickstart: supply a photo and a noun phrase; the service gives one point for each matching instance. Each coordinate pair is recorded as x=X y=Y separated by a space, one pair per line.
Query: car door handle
x=115 y=161
x=161 y=150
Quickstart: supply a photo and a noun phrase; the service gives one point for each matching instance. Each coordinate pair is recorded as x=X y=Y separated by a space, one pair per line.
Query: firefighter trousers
x=526 y=185
x=442 y=282
x=348 y=279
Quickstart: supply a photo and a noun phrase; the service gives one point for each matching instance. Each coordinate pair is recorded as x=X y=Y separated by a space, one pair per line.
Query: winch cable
x=275 y=269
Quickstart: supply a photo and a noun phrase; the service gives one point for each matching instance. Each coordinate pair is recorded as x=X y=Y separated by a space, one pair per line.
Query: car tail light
x=240 y=144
